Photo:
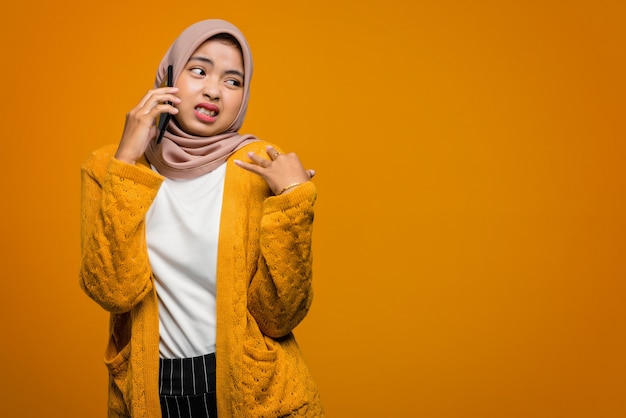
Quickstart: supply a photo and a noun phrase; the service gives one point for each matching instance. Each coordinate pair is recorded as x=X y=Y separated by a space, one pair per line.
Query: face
x=211 y=89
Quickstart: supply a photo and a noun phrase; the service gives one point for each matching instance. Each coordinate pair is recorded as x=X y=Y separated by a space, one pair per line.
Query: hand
x=280 y=171
x=140 y=126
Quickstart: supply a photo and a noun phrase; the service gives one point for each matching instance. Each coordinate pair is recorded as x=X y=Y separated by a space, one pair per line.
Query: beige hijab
x=184 y=156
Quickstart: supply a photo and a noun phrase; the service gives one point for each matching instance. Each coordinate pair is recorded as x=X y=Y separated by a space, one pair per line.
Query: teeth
x=206 y=111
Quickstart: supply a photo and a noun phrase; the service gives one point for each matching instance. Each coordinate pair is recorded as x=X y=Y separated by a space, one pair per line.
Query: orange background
x=470 y=230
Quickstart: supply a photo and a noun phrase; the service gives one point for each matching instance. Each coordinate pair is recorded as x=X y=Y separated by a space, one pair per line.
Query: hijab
x=181 y=155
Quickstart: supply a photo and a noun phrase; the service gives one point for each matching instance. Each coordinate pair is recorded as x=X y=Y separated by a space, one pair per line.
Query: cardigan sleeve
x=281 y=292
x=115 y=270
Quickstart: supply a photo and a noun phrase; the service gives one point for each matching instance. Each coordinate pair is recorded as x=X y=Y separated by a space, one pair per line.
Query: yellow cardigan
x=263 y=281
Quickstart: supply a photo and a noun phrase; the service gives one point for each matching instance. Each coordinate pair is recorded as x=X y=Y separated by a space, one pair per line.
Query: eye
x=234 y=82
x=197 y=71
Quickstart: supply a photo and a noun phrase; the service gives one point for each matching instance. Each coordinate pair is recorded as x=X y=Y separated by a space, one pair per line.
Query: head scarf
x=181 y=155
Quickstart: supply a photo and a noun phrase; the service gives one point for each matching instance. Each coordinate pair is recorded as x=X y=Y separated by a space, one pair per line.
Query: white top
x=182 y=231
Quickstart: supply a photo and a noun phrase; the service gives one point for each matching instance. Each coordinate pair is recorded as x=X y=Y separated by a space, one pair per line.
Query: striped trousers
x=187 y=387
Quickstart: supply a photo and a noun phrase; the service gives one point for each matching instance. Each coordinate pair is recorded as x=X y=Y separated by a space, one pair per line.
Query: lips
x=206 y=112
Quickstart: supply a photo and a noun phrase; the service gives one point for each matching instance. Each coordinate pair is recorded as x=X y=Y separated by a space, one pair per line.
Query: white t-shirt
x=182 y=231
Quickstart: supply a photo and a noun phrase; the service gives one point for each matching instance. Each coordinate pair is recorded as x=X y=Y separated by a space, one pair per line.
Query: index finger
x=157 y=91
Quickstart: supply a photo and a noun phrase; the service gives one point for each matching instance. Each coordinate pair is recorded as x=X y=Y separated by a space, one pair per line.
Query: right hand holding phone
x=140 y=125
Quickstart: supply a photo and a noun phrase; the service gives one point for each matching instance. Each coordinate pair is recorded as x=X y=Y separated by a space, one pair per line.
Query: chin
x=199 y=130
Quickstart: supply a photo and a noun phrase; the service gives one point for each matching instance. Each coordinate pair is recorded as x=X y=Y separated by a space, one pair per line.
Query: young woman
x=200 y=247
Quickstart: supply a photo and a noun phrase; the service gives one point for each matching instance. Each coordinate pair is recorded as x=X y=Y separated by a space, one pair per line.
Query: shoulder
x=102 y=160
x=258 y=147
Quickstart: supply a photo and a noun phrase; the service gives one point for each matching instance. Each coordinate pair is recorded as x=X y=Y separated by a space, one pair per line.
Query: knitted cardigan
x=263 y=281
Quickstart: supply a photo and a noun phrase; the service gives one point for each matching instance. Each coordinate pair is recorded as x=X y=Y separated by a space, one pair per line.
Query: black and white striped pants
x=187 y=387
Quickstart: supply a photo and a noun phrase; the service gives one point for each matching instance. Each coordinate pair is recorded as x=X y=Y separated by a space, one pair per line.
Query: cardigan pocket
x=272 y=386
x=117 y=362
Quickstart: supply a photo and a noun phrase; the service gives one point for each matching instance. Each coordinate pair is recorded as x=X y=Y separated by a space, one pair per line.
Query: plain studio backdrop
x=470 y=227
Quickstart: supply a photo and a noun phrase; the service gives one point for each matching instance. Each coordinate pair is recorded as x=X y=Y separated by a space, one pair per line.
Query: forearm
x=115 y=270
x=281 y=291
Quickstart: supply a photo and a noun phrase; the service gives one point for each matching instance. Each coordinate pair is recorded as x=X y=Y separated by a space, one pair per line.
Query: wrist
x=288 y=188
x=124 y=158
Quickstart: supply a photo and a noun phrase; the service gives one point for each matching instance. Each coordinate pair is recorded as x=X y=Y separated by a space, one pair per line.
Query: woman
x=200 y=247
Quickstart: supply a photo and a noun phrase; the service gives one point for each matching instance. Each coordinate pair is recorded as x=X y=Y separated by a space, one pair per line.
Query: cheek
x=185 y=87
x=237 y=100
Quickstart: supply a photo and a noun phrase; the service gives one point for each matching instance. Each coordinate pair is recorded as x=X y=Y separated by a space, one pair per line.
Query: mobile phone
x=164 y=118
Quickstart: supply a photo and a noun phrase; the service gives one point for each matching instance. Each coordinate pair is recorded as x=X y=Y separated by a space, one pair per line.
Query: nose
x=211 y=89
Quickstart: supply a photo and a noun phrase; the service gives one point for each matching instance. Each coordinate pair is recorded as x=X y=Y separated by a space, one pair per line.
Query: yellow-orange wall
x=470 y=227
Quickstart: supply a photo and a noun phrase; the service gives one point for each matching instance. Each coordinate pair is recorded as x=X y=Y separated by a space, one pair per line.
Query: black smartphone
x=164 y=119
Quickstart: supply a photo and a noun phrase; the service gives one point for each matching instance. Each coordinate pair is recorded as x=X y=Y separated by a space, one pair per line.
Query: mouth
x=211 y=112
x=206 y=112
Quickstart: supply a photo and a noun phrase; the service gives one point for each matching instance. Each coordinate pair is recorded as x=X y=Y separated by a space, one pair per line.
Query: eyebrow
x=210 y=61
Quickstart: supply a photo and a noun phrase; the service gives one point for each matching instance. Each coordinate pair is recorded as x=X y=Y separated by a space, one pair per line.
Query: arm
x=116 y=194
x=115 y=271
x=280 y=293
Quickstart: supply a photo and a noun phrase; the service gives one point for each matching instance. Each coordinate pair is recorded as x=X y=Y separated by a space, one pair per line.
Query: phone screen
x=164 y=118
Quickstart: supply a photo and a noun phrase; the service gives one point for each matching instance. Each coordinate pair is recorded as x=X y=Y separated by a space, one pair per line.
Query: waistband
x=187 y=376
